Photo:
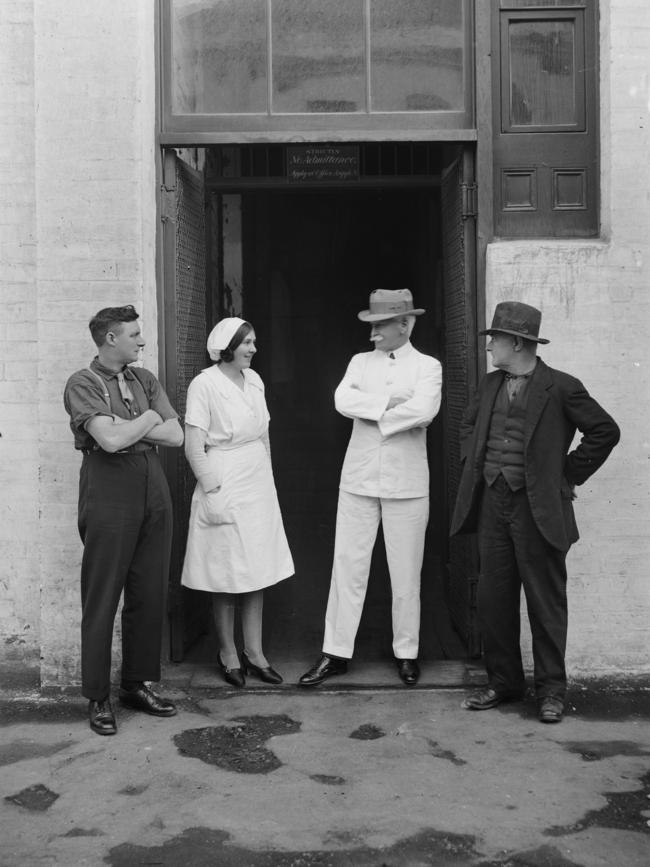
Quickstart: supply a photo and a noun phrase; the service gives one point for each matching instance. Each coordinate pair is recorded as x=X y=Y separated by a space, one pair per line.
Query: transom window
x=280 y=64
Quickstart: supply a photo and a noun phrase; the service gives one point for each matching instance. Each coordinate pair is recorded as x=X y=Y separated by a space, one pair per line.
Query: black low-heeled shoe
x=233 y=676
x=268 y=674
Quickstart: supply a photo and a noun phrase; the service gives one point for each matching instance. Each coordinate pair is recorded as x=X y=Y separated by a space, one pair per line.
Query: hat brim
x=515 y=334
x=367 y=316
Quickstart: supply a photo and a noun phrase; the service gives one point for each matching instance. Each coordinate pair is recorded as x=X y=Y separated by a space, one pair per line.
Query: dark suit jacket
x=557 y=405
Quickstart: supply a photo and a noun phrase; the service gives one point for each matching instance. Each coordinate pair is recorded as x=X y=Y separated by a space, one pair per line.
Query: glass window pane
x=542 y=73
x=417 y=55
x=219 y=56
x=318 y=56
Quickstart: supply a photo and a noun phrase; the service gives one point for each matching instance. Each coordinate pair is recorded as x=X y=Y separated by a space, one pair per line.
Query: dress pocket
x=216 y=508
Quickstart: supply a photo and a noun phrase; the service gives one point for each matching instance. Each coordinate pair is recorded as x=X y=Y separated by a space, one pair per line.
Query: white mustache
x=376 y=337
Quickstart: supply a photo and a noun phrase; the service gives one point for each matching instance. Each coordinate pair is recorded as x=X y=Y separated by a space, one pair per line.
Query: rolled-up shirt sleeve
x=84 y=399
x=157 y=397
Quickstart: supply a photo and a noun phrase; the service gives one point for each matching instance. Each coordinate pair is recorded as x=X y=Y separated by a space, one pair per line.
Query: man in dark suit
x=516 y=489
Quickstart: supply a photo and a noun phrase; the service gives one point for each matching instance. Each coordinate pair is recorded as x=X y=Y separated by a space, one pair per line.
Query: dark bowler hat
x=520 y=320
x=388 y=303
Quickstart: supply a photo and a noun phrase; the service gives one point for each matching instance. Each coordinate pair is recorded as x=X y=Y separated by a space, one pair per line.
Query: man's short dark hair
x=109 y=319
x=228 y=353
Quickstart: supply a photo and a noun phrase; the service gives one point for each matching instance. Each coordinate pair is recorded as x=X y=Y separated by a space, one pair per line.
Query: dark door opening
x=314 y=258
x=308 y=260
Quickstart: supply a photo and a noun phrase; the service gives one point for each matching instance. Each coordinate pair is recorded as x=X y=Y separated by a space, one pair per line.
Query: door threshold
x=376 y=674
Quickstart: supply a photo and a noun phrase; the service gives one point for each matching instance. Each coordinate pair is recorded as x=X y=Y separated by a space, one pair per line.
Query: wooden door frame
x=484 y=222
x=483 y=55
x=166 y=276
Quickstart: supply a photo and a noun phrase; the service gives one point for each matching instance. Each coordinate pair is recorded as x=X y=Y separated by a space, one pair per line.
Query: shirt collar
x=98 y=367
x=402 y=352
x=523 y=376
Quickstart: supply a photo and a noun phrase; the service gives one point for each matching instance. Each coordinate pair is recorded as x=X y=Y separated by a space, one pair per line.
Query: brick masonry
x=78 y=232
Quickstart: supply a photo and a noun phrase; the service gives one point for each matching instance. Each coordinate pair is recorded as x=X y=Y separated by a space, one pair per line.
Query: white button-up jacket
x=387 y=452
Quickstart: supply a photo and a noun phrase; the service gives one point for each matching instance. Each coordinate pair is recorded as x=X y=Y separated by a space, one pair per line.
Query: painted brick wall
x=19 y=416
x=596 y=310
x=95 y=188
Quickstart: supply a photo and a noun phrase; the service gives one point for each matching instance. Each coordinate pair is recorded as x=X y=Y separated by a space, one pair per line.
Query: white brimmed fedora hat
x=389 y=303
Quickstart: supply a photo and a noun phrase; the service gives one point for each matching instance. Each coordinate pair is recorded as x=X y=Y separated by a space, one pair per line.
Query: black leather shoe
x=101 y=717
x=233 y=676
x=324 y=668
x=268 y=674
x=484 y=699
x=409 y=671
x=145 y=699
x=551 y=710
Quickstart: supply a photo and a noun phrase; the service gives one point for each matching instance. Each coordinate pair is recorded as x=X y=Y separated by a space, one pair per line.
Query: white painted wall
x=78 y=219
x=595 y=299
x=19 y=411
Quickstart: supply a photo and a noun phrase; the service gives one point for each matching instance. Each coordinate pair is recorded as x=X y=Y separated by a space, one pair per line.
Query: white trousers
x=404 y=522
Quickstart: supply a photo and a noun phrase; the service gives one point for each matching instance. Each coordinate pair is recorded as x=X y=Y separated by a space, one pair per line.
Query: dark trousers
x=125 y=523
x=513 y=553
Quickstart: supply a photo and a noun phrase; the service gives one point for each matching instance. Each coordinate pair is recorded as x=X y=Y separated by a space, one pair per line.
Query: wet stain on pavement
x=327 y=779
x=238 y=748
x=594 y=751
x=624 y=811
x=368 y=732
x=611 y=704
x=197 y=847
x=545 y=856
x=439 y=753
x=18 y=751
x=38 y=711
x=36 y=798
x=133 y=790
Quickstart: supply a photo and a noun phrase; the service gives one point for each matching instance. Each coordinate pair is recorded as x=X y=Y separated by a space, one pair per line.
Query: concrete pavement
x=339 y=775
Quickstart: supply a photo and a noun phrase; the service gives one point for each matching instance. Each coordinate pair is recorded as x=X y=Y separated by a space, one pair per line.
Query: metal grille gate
x=185 y=357
x=460 y=375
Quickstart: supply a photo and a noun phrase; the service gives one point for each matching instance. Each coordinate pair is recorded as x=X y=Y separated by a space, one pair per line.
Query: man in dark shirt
x=516 y=489
x=119 y=416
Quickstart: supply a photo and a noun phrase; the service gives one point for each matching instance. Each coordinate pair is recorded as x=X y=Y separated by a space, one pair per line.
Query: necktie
x=391 y=355
x=125 y=391
x=514 y=383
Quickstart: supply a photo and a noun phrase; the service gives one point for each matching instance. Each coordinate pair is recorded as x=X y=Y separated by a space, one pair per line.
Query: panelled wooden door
x=459 y=269
x=185 y=295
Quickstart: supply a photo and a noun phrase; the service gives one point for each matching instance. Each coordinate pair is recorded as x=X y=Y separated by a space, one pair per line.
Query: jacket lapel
x=540 y=383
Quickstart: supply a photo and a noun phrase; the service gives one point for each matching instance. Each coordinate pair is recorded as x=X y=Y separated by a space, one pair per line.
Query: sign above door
x=323 y=163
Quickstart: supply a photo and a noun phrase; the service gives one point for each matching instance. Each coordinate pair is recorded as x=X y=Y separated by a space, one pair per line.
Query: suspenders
x=102 y=382
x=107 y=398
x=104 y=387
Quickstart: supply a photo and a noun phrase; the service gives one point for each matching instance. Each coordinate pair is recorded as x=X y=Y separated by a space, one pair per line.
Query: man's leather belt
x=135 y=449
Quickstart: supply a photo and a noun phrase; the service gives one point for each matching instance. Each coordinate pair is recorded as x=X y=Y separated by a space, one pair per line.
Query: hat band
x=513 y=325
x=390 y=307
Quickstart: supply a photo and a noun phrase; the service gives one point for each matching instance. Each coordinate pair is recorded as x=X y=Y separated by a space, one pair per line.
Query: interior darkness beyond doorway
x=310 y=260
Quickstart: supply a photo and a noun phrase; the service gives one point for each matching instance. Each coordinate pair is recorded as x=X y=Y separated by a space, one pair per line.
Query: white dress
x=236 y=541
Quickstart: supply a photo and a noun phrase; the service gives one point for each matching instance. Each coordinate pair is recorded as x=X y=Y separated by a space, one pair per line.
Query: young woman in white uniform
x=236 y=544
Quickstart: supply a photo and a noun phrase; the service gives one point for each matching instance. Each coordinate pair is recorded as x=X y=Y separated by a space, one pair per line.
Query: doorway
x=306 y=260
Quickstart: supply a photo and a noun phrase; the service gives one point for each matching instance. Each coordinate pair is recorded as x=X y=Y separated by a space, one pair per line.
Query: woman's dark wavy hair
x=228 y=353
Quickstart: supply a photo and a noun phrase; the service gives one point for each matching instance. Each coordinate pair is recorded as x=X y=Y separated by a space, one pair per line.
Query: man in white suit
x=392 y=394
